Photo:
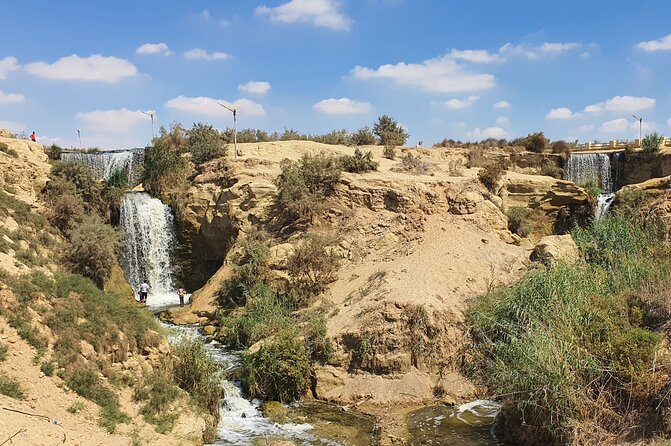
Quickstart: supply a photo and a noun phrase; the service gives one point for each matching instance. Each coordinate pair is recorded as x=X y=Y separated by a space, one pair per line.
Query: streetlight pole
x=233 y=109
x=151 y=114
x=640 y=130
x=79 y=135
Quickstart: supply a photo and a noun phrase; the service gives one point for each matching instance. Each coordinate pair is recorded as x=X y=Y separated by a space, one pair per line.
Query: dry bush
x=312 y=267
x=92 y=250
x=490 y=176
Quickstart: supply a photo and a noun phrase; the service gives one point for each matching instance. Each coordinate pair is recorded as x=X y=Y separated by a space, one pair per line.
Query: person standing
x=144 y=290
x=33 y=137
x=181 y=293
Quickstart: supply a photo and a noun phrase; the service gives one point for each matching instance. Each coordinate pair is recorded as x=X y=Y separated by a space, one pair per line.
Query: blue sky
x=444 y=69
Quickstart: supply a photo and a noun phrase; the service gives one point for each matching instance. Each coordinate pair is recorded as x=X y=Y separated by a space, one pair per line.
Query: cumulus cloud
x=476 y=56
x=210 y=107
x=586 y=128
x=535 y=52
x=562 y=113
x=255 y=87
x=321 y=13
x=93 y=68
x=502 y=120
x=491 y=132
x=7 y=65
x=154 y=48
x=12 y=126
x=501 y=105
x=11 y=98
x=201 y=54
x=460 y=104
x=622 y=104
x=342 y=106
x=440 y=75
x=663 y=44
x=614 y=126
x=112 y=121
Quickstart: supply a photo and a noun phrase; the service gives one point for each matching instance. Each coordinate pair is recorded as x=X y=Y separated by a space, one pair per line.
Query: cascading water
x=147 y=226
x=593 y=167
x=103 y=164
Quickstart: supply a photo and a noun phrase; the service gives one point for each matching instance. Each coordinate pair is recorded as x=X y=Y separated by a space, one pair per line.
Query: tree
x=652 y=142
x=92 y=250
x=390 y=132
x=204 y=143
x=164 y=166
x=363 y=137
x=535 y=142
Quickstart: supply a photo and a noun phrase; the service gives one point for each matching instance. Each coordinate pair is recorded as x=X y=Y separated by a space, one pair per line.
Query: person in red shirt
x=33 y=138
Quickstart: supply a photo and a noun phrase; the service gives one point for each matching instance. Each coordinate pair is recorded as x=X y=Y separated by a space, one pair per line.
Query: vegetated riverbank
x=578 y=352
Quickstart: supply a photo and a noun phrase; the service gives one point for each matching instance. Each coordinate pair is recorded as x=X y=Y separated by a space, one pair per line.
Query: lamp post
x=151 y=114
x=79 y=135
x=233 y=109
x=640 y=130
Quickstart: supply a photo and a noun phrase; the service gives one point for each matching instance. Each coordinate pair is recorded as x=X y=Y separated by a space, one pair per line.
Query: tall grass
x=565 y=346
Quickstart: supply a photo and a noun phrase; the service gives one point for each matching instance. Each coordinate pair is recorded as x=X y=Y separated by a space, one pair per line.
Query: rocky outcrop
x=546 y=193
x=553 y=249
x=25 y=169
x=640 y=166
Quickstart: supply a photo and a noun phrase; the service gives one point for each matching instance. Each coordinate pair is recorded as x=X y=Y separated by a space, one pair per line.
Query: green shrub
x=9 y=151
x=490 y=176
x=11 y=387
x=279 y=370
x=592 y=189
x=359 y=162
x=652 y=142
x=3 y=351
x=165 y=168
x=54 y=152
x=48 y=368
x=363 y=137
x=118 y=179
x=561 y=148
x=252 y=271
x=68 y=212
x=92 y=250
x=389 y=152
x=316 y=341
x=302 y=186
x=196 y=372
x=550 y=169
x=535 y=142
x=204 y=143
x=335 y=137
x=518 y=220
x=312 y=267
x=629 y=201
x=390 y=132
x=85 y=382
x=76 y=407
x=158 y=393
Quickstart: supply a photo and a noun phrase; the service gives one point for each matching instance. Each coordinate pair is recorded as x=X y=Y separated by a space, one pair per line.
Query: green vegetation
x=165 y=167
x=593 y=190
x=311 y=268
x=9 y=151
x=550 y=168
x=204 y=143
x=196 y=372
x=629 y=201
x=567 y=346
x=359 y=162
x=54 y=152
x=76 y=407
x=363 y=137
x=4 y=348
x=158 y=392
x=389 y=152
x=535 y=142
x=118 y=179
x=413 y=164
x=518 y=220
x=251 y=272
x=390 y=132
x=561 y=148
x=652 y=142
x=490 y=176
x=92 y=250
x=11 y=387
x=303 y=185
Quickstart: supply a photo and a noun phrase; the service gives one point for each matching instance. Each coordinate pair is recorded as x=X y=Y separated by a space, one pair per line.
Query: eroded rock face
x=553 y=249
x=640 y=167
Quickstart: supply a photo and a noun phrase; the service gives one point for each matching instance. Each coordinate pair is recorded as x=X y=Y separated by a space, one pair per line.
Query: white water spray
x=103 y=164
x=585 y=167
x=148 y=235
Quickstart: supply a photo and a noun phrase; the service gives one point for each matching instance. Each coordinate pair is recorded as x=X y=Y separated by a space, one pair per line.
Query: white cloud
x=210 y=107
x=442 y=75
x=614 y=126
x=11 y=98
x=535 y=52
x=93 y=68
x=622 y=104
x=491 y=132
x=224 y=23
x=322 y=13
x=501 y=105
x=663 y=44
x=7 y=65
x=460 y=104
x=154 y=48
x=502 y=120
x=48 y=140
x=586 y=128
x=112 y=121
x=255 y=87
x=12 y=126
x=585 y=55
x=562 y=113
x=647 y=126
x=201 y=54
x=477 y=56
x=342 y=106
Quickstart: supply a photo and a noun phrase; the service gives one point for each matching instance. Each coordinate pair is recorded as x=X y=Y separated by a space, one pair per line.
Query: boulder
x=209 y=330
x=552 y=249
x=463 y=202
x=279 y=254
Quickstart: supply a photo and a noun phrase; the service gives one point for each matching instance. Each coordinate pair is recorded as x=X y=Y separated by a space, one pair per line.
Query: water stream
x=103 y=164
x=584 y=168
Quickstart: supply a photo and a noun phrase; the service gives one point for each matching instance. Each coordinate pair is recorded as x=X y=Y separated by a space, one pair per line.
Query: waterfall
x=147 y=226
x=596 y=167
x=103 y=164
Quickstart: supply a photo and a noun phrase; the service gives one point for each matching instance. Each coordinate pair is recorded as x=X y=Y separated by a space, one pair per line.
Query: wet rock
x=274 y=411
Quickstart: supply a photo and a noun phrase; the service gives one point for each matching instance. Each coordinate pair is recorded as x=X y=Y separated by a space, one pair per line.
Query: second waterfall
x=149 y=240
